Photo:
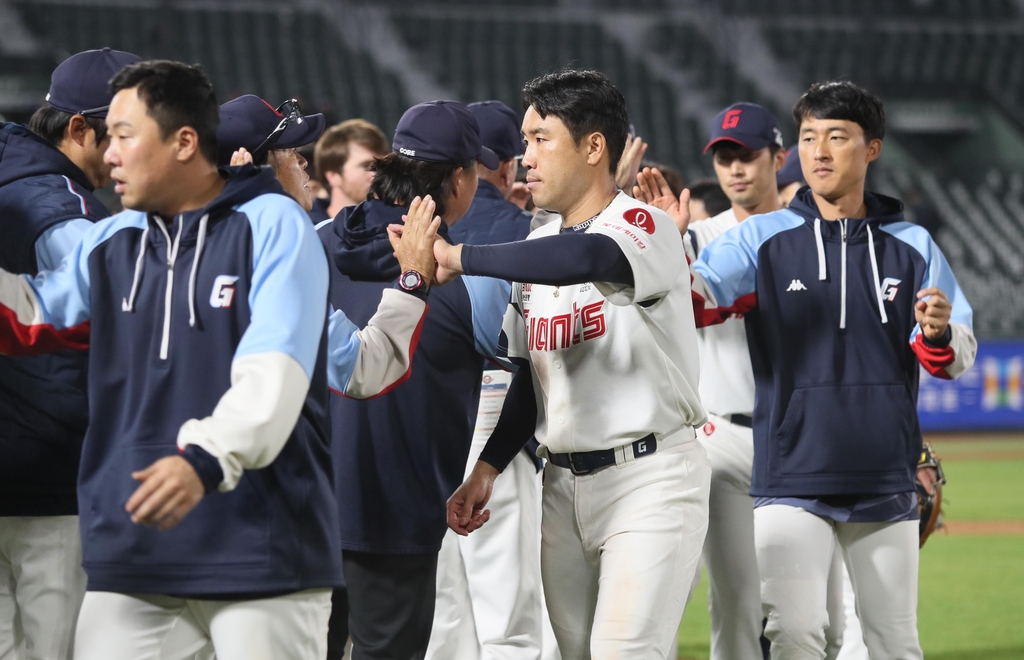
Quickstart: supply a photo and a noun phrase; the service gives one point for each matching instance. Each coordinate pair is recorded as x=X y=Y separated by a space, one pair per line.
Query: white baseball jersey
x=727 y=379
x=612 y=363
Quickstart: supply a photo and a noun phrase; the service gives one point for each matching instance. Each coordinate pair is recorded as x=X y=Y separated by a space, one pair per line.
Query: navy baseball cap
x=790 y=172
x=80 y=84
x=249 y=120
x=499 y=128
x=442 y=132
x=748 y=124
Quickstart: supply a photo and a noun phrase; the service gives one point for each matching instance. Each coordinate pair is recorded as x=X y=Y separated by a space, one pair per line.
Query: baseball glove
x=930 y=504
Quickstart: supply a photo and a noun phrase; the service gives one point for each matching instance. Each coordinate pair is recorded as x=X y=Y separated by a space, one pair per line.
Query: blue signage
x=988 y=396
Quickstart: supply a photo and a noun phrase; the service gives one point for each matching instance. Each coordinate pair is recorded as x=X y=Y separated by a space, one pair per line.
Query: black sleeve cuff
x=468 y=254
x=941 y=342
x=422 y=294
x=206 y=466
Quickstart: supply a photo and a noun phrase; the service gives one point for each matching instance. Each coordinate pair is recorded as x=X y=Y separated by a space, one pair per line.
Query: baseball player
x=48 y=172
x=745 y=143
x=406 y=451
x=204 y=309
x=598 y=324
x=489 y=602
x=843 y=301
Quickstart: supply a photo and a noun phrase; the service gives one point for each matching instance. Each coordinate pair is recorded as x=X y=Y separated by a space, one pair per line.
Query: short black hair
x=841 y=99
x=50 y=123
x=710 y=192
x=586 y=102
x=175 y=95
x=397 y=179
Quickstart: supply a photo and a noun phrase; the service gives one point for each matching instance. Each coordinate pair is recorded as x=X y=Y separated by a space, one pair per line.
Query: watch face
x=410 y=280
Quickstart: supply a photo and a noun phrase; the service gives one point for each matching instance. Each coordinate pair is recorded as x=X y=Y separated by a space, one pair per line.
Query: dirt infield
x=984 y=527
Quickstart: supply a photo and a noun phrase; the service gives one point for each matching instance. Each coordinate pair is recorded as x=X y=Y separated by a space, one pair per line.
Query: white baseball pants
x=853 y=636
x=615 y=546
x=794 y=554
x=115 y=626
x=734 y=589
x=41 y=586
x=489 y=601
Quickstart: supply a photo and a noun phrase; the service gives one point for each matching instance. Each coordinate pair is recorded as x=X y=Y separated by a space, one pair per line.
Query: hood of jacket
x=364 y=252
x=881 y=210
x=24 y=154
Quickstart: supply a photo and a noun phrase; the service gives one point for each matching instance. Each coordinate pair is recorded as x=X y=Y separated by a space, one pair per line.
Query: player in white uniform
x=746 y=147
x=607 y=380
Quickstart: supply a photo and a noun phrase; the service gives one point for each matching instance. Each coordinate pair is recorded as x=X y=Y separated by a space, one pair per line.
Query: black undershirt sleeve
x=517 y=422
x=568 y=258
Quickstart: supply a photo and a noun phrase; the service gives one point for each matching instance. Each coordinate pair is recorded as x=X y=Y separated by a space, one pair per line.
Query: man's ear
x=597 y=146
x=333 y=179
x=874 y=149
x=508 y=171
x=780 y=159
x=77 y=130
x=186 y=142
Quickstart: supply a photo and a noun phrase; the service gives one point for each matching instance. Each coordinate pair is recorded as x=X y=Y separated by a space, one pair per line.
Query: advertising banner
x=988 y=397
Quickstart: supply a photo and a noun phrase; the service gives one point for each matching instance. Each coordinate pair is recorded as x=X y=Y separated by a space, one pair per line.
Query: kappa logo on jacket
x=796 y=285
x=223 y=291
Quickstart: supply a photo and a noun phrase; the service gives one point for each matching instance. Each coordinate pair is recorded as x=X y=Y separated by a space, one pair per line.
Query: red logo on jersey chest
x=640 y=218
x=732 y=119
x=709 y=428
x=565 y=330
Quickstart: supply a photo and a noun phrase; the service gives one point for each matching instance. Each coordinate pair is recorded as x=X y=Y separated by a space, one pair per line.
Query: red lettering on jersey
x=709 y=428
x=566 y=330
x=732 y=118
x=541 y=342
x=560 y=326
x=593 y=321
x=640 y=218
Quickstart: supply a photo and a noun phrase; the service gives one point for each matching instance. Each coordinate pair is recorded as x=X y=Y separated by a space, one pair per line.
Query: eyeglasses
x=290 y=112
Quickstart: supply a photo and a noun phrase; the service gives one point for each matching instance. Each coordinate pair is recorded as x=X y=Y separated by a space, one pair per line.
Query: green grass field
x=971 y=595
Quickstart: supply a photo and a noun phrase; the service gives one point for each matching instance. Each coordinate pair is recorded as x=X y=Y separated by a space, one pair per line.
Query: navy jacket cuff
x=941 y=342
x=206 y=466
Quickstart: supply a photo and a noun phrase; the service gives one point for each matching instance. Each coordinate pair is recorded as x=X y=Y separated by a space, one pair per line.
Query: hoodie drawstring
x=128 y=304
x=195 y=267
x=842 y=276
x=874 y=272
x=821 y=249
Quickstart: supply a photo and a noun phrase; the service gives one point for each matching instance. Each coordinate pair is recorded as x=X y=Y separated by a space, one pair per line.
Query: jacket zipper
x=842 y=289
x=172 y=254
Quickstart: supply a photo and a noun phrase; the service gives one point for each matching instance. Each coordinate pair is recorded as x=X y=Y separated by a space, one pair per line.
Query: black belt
x=741 y=420
x=585 y=462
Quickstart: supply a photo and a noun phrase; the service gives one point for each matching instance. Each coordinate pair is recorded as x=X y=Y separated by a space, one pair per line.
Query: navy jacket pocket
x=846 y=430
x=240 y=538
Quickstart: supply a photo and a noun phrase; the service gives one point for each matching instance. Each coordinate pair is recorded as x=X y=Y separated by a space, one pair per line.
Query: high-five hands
x=653 y=189
x=241 y=157
x=629 y=163
x=413 y=242
x=466 y=512
x=932 y=310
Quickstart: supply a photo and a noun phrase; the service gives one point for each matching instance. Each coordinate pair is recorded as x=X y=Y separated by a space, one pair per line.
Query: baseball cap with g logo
x=747 y=124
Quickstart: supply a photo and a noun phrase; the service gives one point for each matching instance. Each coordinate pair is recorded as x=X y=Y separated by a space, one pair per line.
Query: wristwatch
x=412 y=282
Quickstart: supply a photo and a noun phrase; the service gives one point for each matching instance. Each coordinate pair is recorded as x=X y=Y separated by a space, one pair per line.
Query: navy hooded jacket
x=206 y=335
x=834 y=344
x=398 y=457
x=44 y=409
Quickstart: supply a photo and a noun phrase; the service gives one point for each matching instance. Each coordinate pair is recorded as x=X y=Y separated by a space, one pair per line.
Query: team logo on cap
x=640 y=218
x=407 y=152
x=732 y=118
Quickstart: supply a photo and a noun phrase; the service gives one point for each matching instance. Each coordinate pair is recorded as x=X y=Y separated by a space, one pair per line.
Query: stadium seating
x=956 y=9
x=275 y=54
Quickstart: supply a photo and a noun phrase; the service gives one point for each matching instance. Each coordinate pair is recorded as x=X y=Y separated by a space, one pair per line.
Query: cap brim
x=749 y=141
x=489 y=158
x=299 y=135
